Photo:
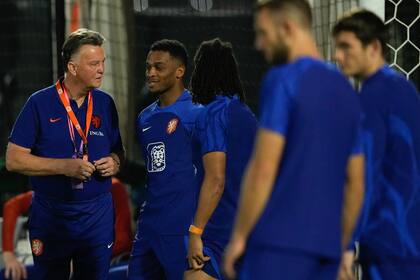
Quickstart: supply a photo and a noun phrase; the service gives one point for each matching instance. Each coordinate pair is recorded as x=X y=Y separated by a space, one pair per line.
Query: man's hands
x=78 y=168
x=83 y=170
x=107 y=166
x=14 y=269
x=234 y=250
x=196 y=258
x=345 y=271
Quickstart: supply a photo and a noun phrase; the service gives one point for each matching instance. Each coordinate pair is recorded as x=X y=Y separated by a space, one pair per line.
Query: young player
x=389 y=231
x=165 y=131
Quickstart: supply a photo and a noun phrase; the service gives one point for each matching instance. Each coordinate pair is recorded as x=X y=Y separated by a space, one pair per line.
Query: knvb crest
x=37 y=247
x=171 y=127
x=96 y=121
x=156 y=157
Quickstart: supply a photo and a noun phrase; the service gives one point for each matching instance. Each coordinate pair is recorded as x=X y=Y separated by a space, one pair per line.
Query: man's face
x=89 y=65
x=269 y=38
x=162 y=71
x=350 y=54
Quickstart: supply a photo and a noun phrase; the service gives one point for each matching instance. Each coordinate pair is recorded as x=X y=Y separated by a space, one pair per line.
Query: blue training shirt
x=171 y=154
x=390 y=225
x=227 y=125
x=315 y=109
x=42 y=127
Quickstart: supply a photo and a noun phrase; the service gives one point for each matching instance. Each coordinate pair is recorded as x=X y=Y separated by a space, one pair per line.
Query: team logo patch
x=156 y=157
x=172 y=124
x=96 y=121
x=37 y=247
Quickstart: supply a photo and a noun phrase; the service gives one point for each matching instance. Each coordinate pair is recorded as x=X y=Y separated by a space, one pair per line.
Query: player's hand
x=107 y=166
x=79 y=169
x=233 y=252
x=195 y=256
x=14 y=269
x=345 y=271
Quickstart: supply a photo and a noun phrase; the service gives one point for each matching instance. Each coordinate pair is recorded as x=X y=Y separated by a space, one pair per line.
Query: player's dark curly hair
x=215 y=72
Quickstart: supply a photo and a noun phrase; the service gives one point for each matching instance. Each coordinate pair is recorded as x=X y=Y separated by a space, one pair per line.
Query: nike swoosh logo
x=146 y=129
x=110 y=245
x=53 y=120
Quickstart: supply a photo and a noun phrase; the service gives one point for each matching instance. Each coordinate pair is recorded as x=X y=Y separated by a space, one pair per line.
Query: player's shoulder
x=43 y=95
x=320 y=71
x=146 y=112
x=323 y=76
x=305 y=68
x=387 y=82
x=395 y=80
x=219 y=103
x=185 y=101
x=187 y=110
x=213 y=110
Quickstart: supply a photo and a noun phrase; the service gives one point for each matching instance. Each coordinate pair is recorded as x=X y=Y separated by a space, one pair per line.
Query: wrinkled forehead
x=90 y=52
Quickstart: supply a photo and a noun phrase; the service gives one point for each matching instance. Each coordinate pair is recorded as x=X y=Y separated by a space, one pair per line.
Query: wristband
x=195 y=230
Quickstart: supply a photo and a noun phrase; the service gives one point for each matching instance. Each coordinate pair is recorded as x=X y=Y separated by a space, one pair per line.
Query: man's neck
x=372 y=68
x=75 y=90
x=304 y=45
x=170 y=97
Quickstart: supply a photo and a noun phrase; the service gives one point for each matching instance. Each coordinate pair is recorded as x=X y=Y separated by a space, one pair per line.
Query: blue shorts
x=391 y=270
x=79 y=231
x=285 y=264
x=158 y=257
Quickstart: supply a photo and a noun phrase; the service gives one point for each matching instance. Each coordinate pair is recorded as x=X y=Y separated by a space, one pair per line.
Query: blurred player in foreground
x=303 y=188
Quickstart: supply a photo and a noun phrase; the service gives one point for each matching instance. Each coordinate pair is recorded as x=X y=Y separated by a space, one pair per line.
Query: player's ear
x=180 y=71
x=375 y=47
x=71 y=66
x=288 y=27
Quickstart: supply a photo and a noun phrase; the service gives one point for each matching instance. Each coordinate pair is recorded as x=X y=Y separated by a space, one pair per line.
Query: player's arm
x=353 y=201
x=353 y=197
x=12 y=209
x=256 y=189
x=211 y=191
x=19 y=159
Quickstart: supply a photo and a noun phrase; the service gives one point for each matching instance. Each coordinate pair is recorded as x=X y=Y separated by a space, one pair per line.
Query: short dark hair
x=365 y=25
x=302 y=7
x=77 y=39
x=215 y=72
x=174 y=47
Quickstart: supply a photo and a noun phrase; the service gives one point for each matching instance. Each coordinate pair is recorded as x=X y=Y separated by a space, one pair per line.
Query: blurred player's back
x=316 y=110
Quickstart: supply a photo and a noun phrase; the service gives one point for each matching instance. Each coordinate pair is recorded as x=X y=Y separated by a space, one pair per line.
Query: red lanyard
x=72 y=120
